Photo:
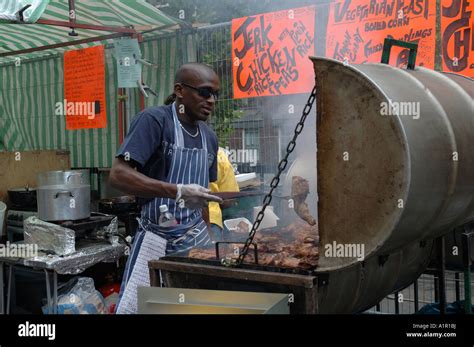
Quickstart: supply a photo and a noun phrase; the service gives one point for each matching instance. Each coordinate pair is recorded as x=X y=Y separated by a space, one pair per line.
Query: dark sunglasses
x=204 y=92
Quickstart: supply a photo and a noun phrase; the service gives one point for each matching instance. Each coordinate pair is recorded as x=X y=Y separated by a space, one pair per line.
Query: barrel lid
x=362 y=165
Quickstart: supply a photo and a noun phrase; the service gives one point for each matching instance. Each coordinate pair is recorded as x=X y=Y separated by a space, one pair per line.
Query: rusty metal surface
x=236 y=195
x=199 y=268
x=392 y=159
x=400 y=270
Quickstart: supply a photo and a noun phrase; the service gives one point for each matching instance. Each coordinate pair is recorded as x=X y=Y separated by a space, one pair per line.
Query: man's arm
x=124 y=177
x=205 y=216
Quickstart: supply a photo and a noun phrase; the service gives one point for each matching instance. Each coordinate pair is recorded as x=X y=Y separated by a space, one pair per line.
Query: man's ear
x=178 y=90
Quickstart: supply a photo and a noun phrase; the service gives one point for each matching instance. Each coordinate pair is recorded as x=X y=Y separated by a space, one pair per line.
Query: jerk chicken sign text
x=357 y=29
x=458 y=36
x=270 y=53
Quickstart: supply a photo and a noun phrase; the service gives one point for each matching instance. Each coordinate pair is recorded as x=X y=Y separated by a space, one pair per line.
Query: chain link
x=275 y=181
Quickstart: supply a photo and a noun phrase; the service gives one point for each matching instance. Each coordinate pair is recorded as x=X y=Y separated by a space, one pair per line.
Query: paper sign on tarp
x=84 y=89
x=457 y=32
x=129 y=70
x=357 y=28
x=270 y=53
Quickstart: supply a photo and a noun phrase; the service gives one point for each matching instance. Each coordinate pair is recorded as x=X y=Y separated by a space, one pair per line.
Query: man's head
x=195 y=87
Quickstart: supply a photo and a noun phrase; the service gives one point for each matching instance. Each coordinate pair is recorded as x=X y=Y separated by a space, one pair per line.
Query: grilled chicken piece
x=310 y=239
x=309 y=262
x=295 y=246
x=200 y=253
x=287 y=262
x=306 y=250
x=299 y=193
x=266 y=259
x=242 y=227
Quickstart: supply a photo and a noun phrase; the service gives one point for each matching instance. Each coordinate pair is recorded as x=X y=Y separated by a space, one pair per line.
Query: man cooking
x=168 y=158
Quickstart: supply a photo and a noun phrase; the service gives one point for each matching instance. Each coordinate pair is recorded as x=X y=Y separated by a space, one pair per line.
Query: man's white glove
x=194 y=196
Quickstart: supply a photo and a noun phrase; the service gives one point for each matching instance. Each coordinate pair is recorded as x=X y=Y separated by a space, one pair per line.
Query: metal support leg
x=9 y=287
x=467 y=291
x=397 y=304
x=55 y=292
x=468 y=256
x=48 y=292
x=415 y=289
x=2 y=294
x=457 y=287
x=442 y=275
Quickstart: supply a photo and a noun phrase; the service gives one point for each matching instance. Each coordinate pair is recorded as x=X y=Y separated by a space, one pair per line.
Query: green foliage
x=219 y=11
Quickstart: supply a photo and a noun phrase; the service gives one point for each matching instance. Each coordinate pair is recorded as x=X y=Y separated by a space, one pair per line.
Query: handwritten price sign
x=270 y=53
x=357 y=29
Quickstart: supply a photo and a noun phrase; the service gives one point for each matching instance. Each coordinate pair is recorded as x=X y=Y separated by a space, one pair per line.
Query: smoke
x=302 y=161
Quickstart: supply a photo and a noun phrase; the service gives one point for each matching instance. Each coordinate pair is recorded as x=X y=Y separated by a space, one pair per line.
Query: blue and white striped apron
x=188 y=166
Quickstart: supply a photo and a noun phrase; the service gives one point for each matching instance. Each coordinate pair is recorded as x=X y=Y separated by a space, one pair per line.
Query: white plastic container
x=247 y=180
x=231 y=224
x=269 y=220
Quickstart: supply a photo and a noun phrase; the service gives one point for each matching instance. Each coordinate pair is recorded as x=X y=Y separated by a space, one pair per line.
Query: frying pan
x=24 y=196
x=118 y=205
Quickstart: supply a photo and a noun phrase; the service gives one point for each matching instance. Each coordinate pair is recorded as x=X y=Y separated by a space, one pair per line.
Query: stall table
x=88 y=253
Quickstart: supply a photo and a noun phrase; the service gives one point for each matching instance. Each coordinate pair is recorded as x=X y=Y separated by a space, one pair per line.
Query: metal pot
x=63 y=195
x=63 y=177
x=22 y=197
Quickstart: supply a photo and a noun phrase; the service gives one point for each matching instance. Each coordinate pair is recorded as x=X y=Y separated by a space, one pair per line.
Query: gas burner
x=23 y=208
x=96 y=220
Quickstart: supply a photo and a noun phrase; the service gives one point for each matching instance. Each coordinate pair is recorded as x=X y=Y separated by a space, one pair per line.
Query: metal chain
x=275 y=181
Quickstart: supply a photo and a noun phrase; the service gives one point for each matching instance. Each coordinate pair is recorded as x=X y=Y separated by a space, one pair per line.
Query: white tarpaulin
x=10 y=8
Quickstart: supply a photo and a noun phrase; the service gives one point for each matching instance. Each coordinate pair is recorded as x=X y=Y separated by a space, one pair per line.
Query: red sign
x=357 y=29
x=270 y=53
x=84 y=89
x=457 y=28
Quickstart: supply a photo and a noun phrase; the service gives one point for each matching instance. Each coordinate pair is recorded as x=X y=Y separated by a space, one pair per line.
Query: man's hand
x=194 y=196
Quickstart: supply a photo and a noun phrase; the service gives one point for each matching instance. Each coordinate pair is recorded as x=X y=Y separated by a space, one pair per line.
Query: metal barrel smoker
x=386 y=179
x=409 y=177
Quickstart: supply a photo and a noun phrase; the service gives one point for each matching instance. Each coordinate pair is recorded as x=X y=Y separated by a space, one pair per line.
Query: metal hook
x=20 y=12
x=143 y=88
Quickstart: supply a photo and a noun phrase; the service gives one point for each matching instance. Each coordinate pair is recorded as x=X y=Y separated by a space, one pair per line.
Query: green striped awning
x=136 y=14
x=29 y=91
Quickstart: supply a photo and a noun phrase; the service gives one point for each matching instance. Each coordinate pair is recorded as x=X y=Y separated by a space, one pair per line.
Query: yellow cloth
x=226 y=182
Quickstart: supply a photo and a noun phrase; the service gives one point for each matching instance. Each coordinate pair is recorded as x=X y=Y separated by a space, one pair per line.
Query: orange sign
x=457 y=29
x=357 y=29
x=270 y=53
x=84 y=89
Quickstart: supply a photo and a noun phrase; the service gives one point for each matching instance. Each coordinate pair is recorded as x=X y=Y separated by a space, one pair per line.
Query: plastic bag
x=456 y=307
x=79 y=296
